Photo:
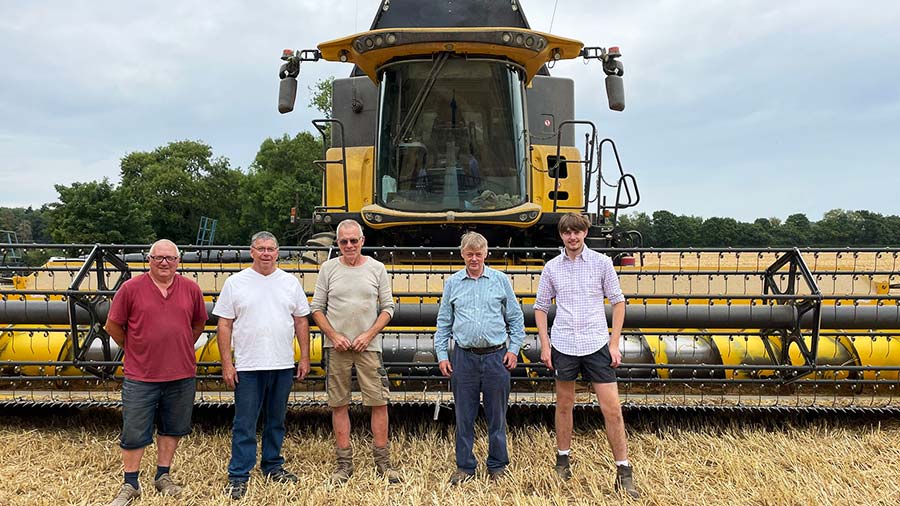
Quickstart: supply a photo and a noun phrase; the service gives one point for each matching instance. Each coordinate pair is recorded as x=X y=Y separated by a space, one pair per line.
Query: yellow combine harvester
x=450 y=121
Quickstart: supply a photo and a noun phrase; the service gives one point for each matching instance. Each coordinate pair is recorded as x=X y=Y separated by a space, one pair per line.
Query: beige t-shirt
x=353 y=297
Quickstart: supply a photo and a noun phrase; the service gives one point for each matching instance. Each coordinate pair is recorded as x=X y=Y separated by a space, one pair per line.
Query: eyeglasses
x=344 y=242
x=266 y=249
x=163 y=258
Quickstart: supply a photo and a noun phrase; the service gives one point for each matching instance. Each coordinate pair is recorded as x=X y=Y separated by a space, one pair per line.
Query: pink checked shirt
x=579 y=287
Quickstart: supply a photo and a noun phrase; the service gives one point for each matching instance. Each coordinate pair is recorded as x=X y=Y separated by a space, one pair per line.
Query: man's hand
x=361 y=342
x=230 y=375
x=616 y=357
x=303 y=368
x=546 y=359
x=340 y=341
x=446 y=368
x=510 y=360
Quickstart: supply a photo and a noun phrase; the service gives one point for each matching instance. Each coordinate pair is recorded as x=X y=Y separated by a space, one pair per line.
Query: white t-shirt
x=263 y=310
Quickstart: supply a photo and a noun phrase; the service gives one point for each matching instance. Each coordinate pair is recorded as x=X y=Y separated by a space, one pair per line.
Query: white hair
x=348 y=223
x=168 y=242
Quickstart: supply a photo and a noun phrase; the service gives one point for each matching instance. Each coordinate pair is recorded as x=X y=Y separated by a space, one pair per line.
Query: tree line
x=165 y=192
x=837 y=228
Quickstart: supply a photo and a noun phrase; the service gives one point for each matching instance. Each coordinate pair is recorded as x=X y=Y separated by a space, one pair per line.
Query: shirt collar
x=485 y=274
x=562 y=251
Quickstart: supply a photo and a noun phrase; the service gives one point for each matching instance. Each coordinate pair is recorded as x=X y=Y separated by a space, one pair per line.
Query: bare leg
x=379 y=426
x=131 y=459
x=608 y=397
x=166 y=450
x=565 y=400
x=340 y=421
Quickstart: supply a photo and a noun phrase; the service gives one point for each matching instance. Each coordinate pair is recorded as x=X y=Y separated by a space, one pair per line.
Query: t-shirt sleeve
x=200 y=314
x=320 y=296
x=301 y=307
x=224 y=307
x=118 y=310
x=385 y=293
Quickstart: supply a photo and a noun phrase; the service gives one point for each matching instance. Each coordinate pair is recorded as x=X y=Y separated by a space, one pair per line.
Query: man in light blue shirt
x=480 y=311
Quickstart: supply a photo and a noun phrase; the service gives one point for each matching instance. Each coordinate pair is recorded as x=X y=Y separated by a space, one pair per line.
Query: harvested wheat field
x=72 y=457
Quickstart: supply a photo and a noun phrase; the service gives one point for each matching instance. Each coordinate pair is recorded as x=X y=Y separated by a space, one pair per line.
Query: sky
x=735 y=108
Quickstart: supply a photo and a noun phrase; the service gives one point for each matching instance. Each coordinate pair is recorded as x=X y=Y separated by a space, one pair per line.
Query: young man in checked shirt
x=579 y=279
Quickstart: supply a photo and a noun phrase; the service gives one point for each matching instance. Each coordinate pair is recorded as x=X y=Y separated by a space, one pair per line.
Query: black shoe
x=562 y=467
x=237 y=489
x=281 y=475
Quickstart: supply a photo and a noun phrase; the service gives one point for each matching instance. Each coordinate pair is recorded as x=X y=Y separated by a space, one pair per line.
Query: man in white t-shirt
x=260 y=310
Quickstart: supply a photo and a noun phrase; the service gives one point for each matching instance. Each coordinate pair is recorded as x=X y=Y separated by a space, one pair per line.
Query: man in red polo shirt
x=156 y=318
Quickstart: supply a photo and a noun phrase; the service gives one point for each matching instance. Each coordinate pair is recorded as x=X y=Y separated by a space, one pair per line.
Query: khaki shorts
x=370 y=373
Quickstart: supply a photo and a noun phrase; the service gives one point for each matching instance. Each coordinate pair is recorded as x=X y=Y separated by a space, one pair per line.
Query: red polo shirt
x=159 y=342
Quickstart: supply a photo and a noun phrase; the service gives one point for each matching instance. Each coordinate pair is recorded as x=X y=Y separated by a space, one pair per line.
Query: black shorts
x=595 y=368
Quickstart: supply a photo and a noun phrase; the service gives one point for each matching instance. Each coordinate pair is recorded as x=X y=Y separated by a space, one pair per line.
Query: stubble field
x=72 y=457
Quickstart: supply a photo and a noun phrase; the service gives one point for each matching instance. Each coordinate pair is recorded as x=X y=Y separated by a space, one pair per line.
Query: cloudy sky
x=740 y=108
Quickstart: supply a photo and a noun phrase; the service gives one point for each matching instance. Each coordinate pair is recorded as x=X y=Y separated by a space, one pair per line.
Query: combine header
x=705 y=329
x=450 y=122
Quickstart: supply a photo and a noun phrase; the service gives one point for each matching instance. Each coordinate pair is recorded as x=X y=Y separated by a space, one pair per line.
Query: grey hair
x=263 y=235
x=347 y=223
x=165 y=241
x=473 y=241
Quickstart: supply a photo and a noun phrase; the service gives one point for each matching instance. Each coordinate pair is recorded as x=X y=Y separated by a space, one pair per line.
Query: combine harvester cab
x=450 y=121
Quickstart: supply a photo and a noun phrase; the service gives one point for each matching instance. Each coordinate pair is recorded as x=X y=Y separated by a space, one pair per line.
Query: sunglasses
x=344 y=242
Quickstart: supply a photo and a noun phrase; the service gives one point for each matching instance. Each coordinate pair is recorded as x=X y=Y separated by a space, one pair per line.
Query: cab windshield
x=452 y=136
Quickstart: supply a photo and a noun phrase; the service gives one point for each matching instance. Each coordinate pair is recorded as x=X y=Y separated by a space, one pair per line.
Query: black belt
x=482 y=351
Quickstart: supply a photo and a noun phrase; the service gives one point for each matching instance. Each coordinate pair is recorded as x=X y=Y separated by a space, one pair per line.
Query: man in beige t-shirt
x=352 y=304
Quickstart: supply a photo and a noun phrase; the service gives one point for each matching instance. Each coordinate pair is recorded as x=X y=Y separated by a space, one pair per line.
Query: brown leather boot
x=625 y=481
x=344 y=468
x=383 y=464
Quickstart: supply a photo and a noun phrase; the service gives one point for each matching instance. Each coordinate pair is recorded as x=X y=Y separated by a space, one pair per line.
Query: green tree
x=641 y=222
x=321 y=95
x=836 y=228
x=180 y=182
x=716 y=232
x=282 y=176
x=96 y=212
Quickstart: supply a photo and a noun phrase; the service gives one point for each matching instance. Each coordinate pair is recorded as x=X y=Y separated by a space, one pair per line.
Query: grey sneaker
x=562 y=467
x=625 y=481
x=237 y=489
x=282 y=475
x=166 y=486
x=459 y=476
x=126 y=494
x=496 y=475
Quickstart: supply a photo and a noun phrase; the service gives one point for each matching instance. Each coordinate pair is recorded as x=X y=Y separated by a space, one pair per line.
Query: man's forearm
x=223 y=340
x=301 y=330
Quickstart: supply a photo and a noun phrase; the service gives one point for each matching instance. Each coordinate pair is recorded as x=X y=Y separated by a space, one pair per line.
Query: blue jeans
x=256 y=391
x=474 y=375
x=166 y=404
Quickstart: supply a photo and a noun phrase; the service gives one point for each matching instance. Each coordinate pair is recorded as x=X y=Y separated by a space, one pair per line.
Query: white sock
x=563 y=452
x=623 y=463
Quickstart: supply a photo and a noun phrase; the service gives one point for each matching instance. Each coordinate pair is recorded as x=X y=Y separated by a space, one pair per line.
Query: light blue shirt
x=479 y=313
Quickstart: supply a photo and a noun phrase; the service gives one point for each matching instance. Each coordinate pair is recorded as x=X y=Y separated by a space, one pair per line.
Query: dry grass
x=72 y=457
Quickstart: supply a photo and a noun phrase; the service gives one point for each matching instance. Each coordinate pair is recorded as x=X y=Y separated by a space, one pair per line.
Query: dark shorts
x=167 y=405
x=594 y=368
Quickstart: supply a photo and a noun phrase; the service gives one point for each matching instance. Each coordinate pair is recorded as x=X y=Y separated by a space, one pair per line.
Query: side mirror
x=287 y=94
x=615 y=92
